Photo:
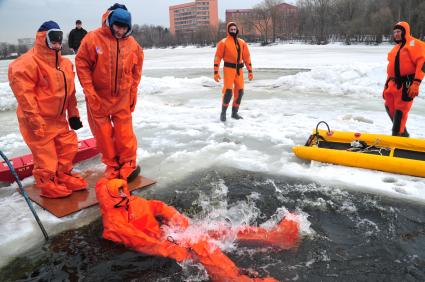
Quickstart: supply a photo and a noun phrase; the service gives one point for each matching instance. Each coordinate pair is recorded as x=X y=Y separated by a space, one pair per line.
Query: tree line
x=12 y=51
x=358 y=20
x=316 y=21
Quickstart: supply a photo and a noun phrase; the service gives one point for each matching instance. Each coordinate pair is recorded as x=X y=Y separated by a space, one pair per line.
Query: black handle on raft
x=317 y=135
x=317 y=127
x=21 y=188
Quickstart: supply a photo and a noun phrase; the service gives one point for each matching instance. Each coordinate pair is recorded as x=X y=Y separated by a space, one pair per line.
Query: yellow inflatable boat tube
x=372 y=151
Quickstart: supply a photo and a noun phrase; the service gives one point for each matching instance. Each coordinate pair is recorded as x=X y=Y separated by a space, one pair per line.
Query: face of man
x=119 y=31
x=233 y=29
x=397 y=34
x=56 y=45
x=54 y=39
x=79 y=26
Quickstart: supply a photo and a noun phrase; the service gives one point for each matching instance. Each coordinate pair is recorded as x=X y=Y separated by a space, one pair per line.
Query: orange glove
x=217 y=77
x=250 y=76
x=414 y=89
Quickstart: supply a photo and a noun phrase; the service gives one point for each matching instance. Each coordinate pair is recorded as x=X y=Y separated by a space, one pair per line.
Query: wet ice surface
x=353 y=236
x=177 y=124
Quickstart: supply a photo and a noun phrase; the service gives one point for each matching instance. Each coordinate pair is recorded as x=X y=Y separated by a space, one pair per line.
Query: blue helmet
x=121 y=17
x=48 y=26
x=116 y=6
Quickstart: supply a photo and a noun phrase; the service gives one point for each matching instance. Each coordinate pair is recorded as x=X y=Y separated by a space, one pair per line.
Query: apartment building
x=188 y=17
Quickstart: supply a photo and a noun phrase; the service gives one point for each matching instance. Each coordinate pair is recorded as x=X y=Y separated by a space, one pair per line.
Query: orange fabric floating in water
x=136 y=223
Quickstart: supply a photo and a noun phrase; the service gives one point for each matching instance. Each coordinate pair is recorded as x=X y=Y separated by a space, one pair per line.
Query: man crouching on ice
x=136 y=223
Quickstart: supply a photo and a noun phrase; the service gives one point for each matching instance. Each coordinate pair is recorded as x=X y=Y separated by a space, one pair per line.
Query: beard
x=399 y=40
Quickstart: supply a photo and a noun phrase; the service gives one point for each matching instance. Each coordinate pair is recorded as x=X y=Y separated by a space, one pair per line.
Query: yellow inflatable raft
x=373 y=151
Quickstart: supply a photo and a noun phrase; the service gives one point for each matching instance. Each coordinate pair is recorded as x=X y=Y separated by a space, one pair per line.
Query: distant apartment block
x=28 y=42
x=188 y=17
x=240 y=17
x=245 y=18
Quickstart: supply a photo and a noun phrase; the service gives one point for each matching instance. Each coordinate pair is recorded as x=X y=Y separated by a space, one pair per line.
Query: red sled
x=23 y=165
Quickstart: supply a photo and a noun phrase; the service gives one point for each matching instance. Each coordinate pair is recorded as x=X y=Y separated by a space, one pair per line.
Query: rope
x=24 y=193
x=368 y=149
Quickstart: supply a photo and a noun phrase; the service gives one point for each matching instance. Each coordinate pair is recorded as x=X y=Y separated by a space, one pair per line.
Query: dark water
x=358 y=237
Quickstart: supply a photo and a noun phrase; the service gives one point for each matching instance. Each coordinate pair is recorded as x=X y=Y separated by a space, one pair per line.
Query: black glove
x=75 y=123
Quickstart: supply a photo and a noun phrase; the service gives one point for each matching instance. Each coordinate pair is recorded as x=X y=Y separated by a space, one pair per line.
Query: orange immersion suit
x=406 y=69
x=43 y=84
x=235 y=53
x=109 y=70
x=136 y=223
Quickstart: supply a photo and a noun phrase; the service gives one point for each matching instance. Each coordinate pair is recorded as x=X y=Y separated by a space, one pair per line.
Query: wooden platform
x=81 y=199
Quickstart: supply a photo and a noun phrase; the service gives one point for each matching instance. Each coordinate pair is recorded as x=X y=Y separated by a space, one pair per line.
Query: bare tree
x=261 y=20
x=152 y=36
x=275 y=13
x=349 y=15
x=381 y=20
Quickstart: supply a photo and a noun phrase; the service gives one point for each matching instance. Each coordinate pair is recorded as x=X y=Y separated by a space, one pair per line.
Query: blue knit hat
x=48 y=26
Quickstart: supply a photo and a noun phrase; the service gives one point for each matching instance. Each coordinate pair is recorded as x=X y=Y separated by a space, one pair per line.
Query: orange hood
x=228 y=26
x=112 y=192
x=404 y=26
x=43 y=52
x=105 y=18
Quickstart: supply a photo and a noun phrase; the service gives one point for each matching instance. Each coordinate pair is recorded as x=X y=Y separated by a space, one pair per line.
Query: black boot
x=226 y=100
x=398 y=115
x=235 y=113
x=405 y=133
x=134 y=174
x=223 y=113
x=238 y=102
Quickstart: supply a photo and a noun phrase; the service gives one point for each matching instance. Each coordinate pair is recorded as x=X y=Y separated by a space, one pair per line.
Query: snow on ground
x=177 y=124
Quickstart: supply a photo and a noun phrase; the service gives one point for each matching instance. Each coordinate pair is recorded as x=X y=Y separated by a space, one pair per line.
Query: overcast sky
x=21 y=18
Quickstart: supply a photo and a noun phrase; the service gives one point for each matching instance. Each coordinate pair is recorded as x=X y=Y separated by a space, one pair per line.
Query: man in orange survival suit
x=136 y=223
x=43 y=83
x=234 y=51
x=406 y=69
x=109 y=66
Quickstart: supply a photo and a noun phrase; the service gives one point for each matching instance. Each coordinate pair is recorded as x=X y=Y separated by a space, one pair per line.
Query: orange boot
x=50 y=188
x=111 y=172
x=72 y=181
x=129 y=171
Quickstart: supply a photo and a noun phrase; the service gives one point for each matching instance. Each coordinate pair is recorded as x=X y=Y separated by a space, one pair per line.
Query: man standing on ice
x=76 y=36
x=406 y=69
x=235 y=53
x=109 y=66
x=43 y=83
